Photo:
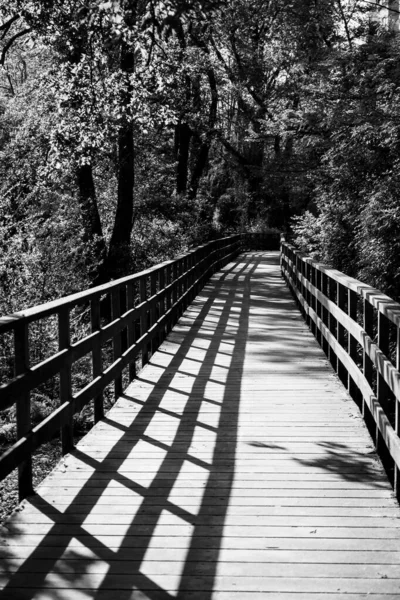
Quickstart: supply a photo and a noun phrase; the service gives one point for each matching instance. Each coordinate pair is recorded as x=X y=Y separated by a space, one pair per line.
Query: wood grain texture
x=235 y=466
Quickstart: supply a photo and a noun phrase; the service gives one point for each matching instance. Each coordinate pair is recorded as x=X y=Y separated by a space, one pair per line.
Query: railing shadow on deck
x=339 y=458
x=358 y=327
x=126 y=558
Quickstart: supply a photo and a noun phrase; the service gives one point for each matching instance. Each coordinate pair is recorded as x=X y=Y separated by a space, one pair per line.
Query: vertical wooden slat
x=352 y=342
x=117 y=346
x=318 y=285
x=383 y=343
x=185 y=284
x=313 y=298
x=383 y=394
x=23 y=406
x=325 y=313
x=179 y=287
x=97 y=359
x=161 y=304
x=333 y=322
x=122 y=311
x=298 y=274
x=190 y=281
x=130 y=299
x=368 y=324
x=64 y=341
x=153 y=312
x=168 y=281
x=168 y=299
x=341 y=302
x=302 y=287
x=306 y=291
x=196 y=273
x=143 y=319
x=175 y=272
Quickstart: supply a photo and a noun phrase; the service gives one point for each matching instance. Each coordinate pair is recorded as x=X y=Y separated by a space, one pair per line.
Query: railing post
x=23 y=406
x=168 y=299
x=143 y=319
x=175 y=290
x=117 y=346
x=67 y=431
x=383 y=390
x=197 y=258
x=303 y=288
x=352 y=342
x=383 y=343
x=155 y=342
x=313 y=278
x=130 y=300
x=368 y=323
x=161 y=304
x=333 y=324
x=184 y=283
x=97 y=359
x=318 y=285
x=341 y=302
x=325 y=313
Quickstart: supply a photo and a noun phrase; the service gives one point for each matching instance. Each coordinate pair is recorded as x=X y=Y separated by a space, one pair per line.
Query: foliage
x=356 y=223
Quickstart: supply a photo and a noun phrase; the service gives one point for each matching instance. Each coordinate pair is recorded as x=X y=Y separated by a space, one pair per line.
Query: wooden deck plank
x=235 y=466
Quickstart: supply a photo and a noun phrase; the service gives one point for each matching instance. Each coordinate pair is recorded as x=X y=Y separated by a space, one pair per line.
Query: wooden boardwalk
x=235 y=467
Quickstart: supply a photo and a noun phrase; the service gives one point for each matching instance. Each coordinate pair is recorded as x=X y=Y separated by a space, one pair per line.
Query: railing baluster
x=383 y=343
x=325 y=313
x=382 y=386
x=67 y=430
x=189 y=272
x=162 y=303
x=352 y=342
x=314 y=300
x=143 y=318
x=307 y=268
x=153 y=312
x=97 y=358
x=346 y=294
x=117 y=345
x=175 y=283
x=23 y=406
x=332 y=324
x=368 y=324
x=341 y=302
x=318 y=284
x=130 y=300
x=168 y=298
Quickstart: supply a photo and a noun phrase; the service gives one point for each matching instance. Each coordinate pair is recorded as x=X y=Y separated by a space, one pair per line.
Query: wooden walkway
x=235 y=467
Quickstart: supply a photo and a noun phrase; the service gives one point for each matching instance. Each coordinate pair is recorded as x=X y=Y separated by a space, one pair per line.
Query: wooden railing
x=140 y=310
x=359 y=329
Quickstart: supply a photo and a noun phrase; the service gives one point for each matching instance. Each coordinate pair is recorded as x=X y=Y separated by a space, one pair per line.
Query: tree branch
x=382 y=6
x=5 y=28
x=10 y=43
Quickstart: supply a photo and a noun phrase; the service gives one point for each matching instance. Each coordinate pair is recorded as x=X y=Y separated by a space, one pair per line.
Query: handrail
x=358 y=327
x=143 y=308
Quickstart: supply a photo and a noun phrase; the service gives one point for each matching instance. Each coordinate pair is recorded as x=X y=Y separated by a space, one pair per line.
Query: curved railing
x=359 y=329
x=140 y=310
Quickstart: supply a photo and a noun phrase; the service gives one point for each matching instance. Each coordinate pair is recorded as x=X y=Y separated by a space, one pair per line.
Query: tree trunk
x=203 y=148
x=93 y=234
x=183 y=135
x=119 y=255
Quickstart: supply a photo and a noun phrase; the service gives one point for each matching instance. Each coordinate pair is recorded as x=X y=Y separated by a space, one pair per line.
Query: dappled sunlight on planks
x=234 y=467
